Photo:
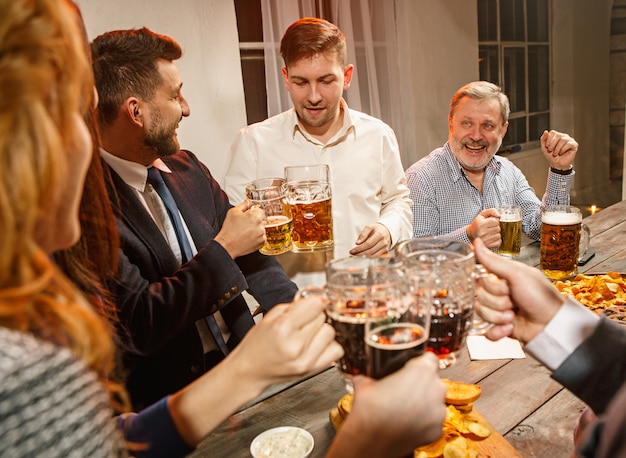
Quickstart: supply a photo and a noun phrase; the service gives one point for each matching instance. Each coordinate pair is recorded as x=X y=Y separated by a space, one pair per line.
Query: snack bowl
x=282 y=442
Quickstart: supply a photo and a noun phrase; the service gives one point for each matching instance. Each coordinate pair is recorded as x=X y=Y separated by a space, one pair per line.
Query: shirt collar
x=346 y=127
x=134 y=174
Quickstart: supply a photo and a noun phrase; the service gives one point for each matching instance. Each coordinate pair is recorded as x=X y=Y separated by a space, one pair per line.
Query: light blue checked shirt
x=445 y=202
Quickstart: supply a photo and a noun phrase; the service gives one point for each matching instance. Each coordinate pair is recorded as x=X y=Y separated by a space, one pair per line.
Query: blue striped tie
x=156 y=180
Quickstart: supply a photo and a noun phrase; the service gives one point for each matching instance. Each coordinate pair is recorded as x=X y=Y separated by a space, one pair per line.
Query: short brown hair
x=310 y=36
x=125 y=65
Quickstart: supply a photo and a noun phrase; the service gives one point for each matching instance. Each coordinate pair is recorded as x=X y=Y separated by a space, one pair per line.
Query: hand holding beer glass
x=309 y=194
x=269 y=195
x=564 y=239
x=454 y=273
x=510 y=230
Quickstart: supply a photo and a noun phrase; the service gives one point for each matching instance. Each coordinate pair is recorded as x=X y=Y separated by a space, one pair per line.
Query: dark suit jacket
x=160 y=301
x=596 y=373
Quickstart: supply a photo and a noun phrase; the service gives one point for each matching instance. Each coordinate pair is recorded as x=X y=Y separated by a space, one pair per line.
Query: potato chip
x=345 y=404
x=458 y=393
x=478 y=430
x=597 y=292
x=460 y=447
x=459 y=431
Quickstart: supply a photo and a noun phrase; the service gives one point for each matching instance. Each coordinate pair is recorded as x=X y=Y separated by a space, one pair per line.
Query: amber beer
x=312 y=226
x=560 y=242
x=309 y=194
x=510 y=230
x=278 y=235
x=269 y=195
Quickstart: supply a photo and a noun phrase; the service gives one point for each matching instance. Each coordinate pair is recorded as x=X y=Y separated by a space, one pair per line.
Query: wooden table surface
x=533 y=412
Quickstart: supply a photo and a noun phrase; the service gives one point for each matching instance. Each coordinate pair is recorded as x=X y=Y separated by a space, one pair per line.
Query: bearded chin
x=163 y=144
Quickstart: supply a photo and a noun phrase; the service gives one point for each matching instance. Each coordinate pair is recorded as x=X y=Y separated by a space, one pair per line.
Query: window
x=252 y=56
x=514 y=53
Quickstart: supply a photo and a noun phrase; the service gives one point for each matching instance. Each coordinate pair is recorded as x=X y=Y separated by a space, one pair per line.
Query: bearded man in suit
x=187 y=256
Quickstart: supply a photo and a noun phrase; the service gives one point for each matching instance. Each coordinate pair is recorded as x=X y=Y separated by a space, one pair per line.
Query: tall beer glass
x=309 y=194
x=269 y=194
x=454 y=272
x=560 y=247
x=510 y=230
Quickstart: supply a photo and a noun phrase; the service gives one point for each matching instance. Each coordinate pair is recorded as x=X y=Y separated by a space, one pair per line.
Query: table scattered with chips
x=523 y=408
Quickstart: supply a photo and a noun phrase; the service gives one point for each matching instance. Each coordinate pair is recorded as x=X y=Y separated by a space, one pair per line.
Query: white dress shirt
x=366 y=174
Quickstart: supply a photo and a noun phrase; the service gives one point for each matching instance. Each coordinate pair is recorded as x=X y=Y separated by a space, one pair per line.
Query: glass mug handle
x=585 y=239
x=479 y=326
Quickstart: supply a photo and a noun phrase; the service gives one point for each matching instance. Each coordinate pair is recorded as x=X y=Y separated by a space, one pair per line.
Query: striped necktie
x=156 y=180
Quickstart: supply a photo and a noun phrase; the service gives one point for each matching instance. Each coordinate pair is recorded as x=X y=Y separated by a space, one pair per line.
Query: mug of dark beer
x=308 y=192
x=377 y=319
x=454 y=274
x=564 y=239
x=269 y=195
x=510 y=230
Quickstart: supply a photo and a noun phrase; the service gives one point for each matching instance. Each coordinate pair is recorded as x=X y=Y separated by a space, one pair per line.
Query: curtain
x=371 y=36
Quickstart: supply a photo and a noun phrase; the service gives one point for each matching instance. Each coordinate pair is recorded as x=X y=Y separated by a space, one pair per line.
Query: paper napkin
x=482 y=348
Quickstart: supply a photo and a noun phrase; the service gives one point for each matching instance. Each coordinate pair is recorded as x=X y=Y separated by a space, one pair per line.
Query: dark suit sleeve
x=154 y=309
x=269 y=284
x=596 y=370
x=267 y=280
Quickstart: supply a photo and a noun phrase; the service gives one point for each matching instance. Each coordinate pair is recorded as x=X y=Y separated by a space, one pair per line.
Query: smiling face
x=315 y=86
x=476 y=132
x=164 y=112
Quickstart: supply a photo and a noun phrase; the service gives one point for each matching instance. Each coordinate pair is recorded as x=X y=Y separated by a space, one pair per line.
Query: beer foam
x=561 y=218
x=277 y=220
x=510 y=218
x=410 y=335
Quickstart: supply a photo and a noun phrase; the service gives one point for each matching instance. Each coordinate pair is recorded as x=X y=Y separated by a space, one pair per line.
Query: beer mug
x=309 y=194
x=454 y=272
x=269 y=194
x=510 y=230
x=564 y=239
x=376 y=318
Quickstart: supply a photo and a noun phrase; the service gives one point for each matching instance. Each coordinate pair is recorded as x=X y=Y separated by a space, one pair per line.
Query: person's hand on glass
x=394 y=415
x=520 y=301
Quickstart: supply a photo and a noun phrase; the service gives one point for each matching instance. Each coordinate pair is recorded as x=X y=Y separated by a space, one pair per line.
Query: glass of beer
x=454 y=272
x=309 y=194
x=376 y=320
x=269 y=195
x=510 y=230
x=398 y=316
x=564 y=238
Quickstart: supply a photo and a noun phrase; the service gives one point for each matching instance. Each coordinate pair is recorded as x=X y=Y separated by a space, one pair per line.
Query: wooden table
x=533 y=412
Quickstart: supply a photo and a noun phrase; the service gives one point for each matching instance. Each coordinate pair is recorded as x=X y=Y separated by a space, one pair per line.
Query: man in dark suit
x=187 y=254
x=584 y=351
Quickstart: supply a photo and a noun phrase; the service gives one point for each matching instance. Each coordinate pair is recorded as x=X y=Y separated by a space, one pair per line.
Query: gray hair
x=481 y=90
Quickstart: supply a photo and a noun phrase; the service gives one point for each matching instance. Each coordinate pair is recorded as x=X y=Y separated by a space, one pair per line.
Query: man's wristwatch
x=562 y=172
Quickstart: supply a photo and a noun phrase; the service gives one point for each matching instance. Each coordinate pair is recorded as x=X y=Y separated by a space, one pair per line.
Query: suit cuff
x=570 y=327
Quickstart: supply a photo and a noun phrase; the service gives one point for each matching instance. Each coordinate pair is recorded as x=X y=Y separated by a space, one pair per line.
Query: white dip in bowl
x=282 y=442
